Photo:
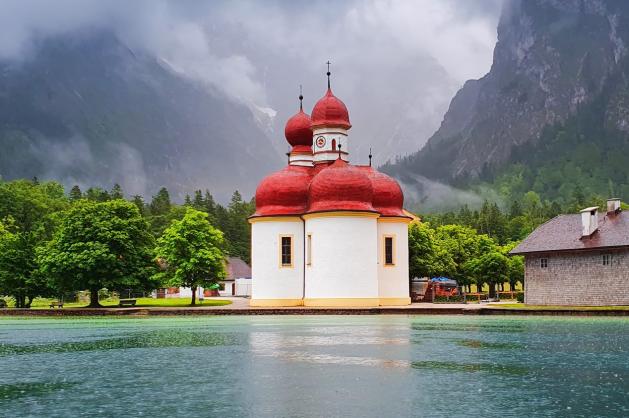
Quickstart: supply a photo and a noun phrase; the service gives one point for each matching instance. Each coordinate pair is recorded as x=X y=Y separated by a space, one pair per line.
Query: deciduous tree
x=190 y=253
x=100 y=245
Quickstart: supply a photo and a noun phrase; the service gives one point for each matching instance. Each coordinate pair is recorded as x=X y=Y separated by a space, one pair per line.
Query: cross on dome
x=328 y=73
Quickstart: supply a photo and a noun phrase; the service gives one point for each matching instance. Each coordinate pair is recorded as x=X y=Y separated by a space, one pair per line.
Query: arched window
x=334 y=144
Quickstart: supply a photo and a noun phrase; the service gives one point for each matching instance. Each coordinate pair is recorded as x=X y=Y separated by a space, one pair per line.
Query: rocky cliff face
x=552 y=57
x=88 y=110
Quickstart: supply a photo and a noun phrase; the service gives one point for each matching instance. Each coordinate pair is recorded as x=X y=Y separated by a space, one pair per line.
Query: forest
x=53 y=242
x=581 y=157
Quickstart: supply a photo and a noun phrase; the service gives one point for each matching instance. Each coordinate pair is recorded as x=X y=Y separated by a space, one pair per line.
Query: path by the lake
x=240 y=306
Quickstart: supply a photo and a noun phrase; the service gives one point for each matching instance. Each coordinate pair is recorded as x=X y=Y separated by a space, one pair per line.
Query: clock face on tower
x=320 y=142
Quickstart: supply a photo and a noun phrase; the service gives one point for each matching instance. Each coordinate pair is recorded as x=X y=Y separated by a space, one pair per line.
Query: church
x=326 y=232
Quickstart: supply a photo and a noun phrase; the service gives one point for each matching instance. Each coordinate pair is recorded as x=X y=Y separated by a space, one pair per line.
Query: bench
x=126 y=302
x=479 y=295
x=56 y=304
x=508 y=294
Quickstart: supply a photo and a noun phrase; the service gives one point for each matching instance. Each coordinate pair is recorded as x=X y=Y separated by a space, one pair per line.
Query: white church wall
x=343 y=269
x=393 y=282
x=273 y=284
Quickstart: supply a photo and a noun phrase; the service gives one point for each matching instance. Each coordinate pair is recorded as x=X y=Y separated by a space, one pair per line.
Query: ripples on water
x=319 y=366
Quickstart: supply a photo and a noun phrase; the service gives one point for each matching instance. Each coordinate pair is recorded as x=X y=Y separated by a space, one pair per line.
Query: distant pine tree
x=198 y=202
x=76 y=193
x=116 y=192
x=160 y=205
x=139 y=202
x=96 y=194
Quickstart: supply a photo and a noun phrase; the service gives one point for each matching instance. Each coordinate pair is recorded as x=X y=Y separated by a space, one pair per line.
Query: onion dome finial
x=328 y=73
x=298 y=130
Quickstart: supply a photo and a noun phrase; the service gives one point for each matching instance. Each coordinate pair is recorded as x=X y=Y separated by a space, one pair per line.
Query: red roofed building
x=326 y=232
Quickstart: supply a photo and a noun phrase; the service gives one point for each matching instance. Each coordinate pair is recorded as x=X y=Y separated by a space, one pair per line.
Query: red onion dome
x=330 y=111
x=284 y=192
x=298 y=130
x=340 y=187
x=388 y=198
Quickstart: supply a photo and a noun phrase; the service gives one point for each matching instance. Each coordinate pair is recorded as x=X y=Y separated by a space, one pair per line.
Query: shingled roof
x=563 y=233
x=237 y=269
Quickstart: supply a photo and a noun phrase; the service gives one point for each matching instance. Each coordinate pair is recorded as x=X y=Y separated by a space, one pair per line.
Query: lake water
x=314 y=366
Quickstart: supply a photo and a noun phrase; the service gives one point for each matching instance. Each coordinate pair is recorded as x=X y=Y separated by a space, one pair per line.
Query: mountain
x=88 y=110
x=553 y=109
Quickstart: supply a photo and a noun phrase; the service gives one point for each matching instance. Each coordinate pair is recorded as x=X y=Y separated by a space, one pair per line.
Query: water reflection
x=315 y=366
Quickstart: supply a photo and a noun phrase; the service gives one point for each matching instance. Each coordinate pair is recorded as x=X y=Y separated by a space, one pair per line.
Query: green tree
x=462 y=244
x=210 y=205
x=28 y=211
x=100 y=245
x=233 y=222
x=160 y=205
x=491 y=267
x=96 y=194
x=116 y=192
x=138 y=201
x=76 y=193
x=19 y=276
x=198 y=202
x=516 y=265
x=427 y=256
x=190 y=251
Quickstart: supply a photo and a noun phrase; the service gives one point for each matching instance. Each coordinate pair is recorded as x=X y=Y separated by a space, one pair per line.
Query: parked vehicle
x=444 y=286
x=422 y=288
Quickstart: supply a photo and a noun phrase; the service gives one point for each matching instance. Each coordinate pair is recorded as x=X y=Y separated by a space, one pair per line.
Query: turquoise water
x=317 y=366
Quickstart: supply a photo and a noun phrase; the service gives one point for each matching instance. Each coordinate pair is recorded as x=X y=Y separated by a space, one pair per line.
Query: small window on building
x=334 y=144
x=221 y=286
x=286 y=251
x=543 y=263
x=607 y=259
x=388 y=251
x=309 y=250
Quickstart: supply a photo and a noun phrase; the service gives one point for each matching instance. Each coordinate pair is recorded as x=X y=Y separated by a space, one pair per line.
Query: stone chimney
x=589 y=221
x=613 y=206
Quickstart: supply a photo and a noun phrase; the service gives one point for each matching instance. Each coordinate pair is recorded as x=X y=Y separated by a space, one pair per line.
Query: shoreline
x=414 y=309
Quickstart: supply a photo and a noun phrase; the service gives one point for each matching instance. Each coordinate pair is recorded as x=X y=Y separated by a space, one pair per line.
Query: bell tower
x=330 y=126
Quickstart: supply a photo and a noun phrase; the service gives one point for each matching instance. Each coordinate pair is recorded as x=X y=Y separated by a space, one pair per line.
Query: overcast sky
x=396 y=63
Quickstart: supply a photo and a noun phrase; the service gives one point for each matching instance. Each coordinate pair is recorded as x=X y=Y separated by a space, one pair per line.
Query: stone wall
x=577 y=278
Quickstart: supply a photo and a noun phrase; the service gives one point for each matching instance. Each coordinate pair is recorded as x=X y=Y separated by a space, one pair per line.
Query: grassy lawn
x=42 y=303
x=552 y=307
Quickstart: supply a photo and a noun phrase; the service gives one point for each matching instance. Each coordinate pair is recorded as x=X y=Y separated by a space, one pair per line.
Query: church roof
x=298 y=130
x=340 y=186
x=297 y=190
x=330 y=111
x=328 y=186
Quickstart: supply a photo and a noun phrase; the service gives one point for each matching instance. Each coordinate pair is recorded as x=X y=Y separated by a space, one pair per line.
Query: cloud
x=168 y=30
x=396 y=63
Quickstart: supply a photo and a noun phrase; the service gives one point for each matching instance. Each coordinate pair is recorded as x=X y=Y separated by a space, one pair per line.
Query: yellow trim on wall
x=394 y=219
x=292 y=250
x=276 y=302
x=393 y=249
x=332 y=302
x=395 y=301
x=275 y=219
x=354 y=214
x=342 y=302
